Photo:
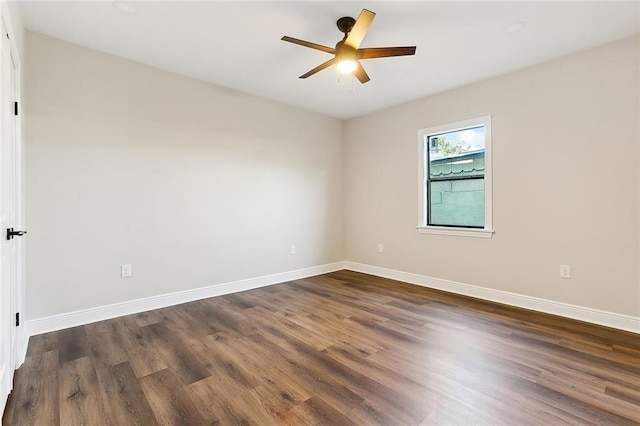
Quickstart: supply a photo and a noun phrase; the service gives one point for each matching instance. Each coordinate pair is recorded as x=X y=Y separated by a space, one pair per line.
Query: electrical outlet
x=565 y=271
x=380 y=248
x=125 y=271
x=293 y=249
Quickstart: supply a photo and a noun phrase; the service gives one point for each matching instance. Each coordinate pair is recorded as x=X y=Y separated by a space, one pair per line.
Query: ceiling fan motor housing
x=345 y=24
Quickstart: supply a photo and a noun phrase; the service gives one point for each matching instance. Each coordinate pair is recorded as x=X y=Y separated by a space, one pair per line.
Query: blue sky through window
x=470 y=139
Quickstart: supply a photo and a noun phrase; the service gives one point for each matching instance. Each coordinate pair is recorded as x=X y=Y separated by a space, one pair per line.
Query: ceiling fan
x=347 y=53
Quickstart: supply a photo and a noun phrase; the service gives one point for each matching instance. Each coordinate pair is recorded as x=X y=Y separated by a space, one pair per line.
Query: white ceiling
x=237 y=44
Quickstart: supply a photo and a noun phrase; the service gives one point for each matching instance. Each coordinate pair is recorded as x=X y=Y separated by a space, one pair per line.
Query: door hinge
x=15 y=108
x=17 y=319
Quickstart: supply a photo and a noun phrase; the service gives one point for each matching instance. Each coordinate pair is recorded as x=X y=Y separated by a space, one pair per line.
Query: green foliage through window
x=440 y=145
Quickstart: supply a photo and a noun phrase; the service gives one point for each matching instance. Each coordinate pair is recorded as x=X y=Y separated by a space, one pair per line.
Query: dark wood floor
x=337 y=349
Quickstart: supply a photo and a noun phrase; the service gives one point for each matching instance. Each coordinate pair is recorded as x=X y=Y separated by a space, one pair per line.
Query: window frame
x=423 y=209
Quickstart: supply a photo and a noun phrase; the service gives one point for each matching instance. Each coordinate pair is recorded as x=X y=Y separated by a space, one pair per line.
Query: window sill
x=456 y=232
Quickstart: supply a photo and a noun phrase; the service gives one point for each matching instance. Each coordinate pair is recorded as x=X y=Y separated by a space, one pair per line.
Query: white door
x=9 y=218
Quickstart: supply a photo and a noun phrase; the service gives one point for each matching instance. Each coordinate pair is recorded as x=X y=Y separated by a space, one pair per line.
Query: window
x=455 y=179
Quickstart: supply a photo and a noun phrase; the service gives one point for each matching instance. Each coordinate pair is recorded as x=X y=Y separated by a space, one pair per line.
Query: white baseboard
x=100 y=313
x=595 y=316
x=87 y=316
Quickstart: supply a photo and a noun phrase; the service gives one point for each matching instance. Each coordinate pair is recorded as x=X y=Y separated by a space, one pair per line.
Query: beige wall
x=566 y=182
x=191 y=183
x=196 y=185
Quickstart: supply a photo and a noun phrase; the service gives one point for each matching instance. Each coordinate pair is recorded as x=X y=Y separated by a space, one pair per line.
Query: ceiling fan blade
x=319 y=68
x=308 y=44
x=385 y=52
x=360 y=28
x=361 y=74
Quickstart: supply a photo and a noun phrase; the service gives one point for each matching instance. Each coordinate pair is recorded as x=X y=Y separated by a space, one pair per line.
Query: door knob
x=11 y=233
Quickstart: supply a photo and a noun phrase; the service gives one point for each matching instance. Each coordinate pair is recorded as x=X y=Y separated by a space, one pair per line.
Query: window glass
x=455 y=179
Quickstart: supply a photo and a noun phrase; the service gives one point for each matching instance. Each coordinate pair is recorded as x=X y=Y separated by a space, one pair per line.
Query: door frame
x=19 y=351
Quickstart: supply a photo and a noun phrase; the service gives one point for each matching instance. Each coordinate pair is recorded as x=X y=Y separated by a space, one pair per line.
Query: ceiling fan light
x=347 y=66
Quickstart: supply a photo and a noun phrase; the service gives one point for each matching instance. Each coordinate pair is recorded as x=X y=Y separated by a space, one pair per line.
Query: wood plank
x=80 y=395
x=216 y=405
x=106 y=342
x=72 y=344
x=35 y=396
x=141 y=355
x=167 y=398
x=340 y=348
x=42 y=343
x=175 y=354
x=314 y=411
x=123 y=396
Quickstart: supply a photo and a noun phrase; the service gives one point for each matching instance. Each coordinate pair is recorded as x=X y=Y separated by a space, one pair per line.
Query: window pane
x=456 y=154
x=456 y=178
x=457 y=202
